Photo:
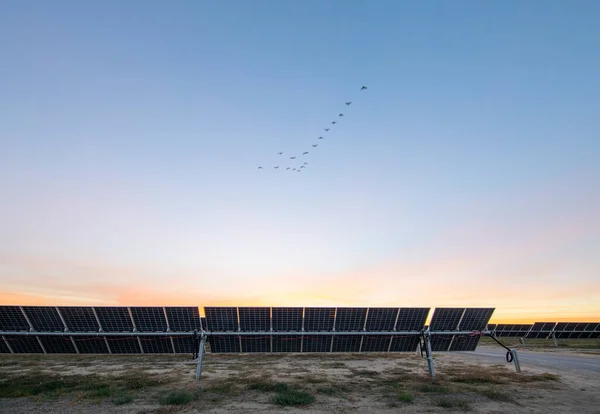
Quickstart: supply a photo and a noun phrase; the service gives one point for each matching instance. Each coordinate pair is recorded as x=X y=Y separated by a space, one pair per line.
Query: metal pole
x=428 y=355
x=516 y=360
x=200 y=357
x=554 y=338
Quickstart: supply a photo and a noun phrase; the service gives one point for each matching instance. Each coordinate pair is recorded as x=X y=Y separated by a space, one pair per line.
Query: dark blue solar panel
x=255 y=319
x=58 y=345
x=381 y=319
x=114 y=319
x=350 y=319
x=376 y=343
x=91 y=344
x=3 y=347
x=318 y=319
x=124 y=345
x=287 y=319
x=183 y=319
x=12 y=319
x=464 y=343
x=256 y=343
x=221 y=319
x=475 y=319
x=227 y=344
x=185 y=344
x=446 y=319
x=285 y=343
x=24 y=344
x=79 y=318
x=149 y=319
x=159 y=345
x=316 y=343
x=346 y=343
x=44 y=318
x=404 y=343
x=411 y=319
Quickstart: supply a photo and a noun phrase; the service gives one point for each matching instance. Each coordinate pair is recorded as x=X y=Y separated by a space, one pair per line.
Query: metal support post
x=200 y=357
x=554 y=339
x=430 y=366
x=515 y=357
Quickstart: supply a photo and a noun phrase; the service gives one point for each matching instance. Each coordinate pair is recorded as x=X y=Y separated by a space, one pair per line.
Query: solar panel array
x=458 y=319
x=96 y=320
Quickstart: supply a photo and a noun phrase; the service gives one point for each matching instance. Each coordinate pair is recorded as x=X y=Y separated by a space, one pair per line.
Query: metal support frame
x=515 y=357
x=554 y=339
x=430 y=366
x=200 y=356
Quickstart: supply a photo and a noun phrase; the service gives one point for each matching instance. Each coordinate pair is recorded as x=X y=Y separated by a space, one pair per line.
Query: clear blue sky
x=131 y=133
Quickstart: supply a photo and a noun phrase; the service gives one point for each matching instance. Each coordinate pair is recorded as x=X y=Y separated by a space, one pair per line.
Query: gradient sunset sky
x=468 y=174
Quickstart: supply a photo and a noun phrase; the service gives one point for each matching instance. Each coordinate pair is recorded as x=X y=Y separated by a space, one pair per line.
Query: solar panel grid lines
x=464 y=343
x=124 y=345
x=317 y=343
x=184 y=345
x=256 y=343
x=376 y=343
x=91 y=344
x=221 y=319
x=183 y=318
x=446 y=319
x=541 y=330
x=319 y=319
x=286 y=343
x=226 y=344
x=441 y=343
x=475 y=319
x=4 y=346
x=411 y=319
x=381 y=319
x=24 y=344
x=58 y=344
x=12 y=319
x=114 y=318
x=255 y=319
x=287 y=319
x=160 y=345
x=350 y=319
x=79 y=318
x=44 y=318
x=148 y=319
x=346 y=343
x=404 y=343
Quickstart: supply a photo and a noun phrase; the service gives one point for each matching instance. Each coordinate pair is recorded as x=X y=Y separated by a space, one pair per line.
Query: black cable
x=509 y=354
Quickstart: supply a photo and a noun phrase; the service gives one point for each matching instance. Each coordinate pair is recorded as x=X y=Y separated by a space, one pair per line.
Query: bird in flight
x=348 y=103
x=260 y=168
x=302 y=166
x=364 y=88
x=326 y=129
x=292 y=158
x=315 y=145
x=320 y=137
x=287 y=168
x=305 y=152
x=305 y=163
x=341 y=115
x=277 y=166
x=280 y=153
x=333 y=122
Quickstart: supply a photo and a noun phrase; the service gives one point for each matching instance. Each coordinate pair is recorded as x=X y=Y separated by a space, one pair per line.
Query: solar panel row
x=544 y=330
x=280 y=319
x=99 y=319
x=312 y=343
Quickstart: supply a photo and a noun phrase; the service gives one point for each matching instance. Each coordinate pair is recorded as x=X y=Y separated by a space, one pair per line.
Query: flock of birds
x=315 y=145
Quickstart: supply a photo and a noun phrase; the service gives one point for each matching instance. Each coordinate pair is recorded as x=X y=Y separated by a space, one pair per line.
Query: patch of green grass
x=122 y=398
x=178 y=397
x=101 y=392
x=293 y=398
x=454 y=403
x=496 y=395
x=268 y=386
x=434 y=388
x=405 y=396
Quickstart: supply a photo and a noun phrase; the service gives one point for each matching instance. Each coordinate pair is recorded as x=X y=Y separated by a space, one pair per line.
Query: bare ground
x=373 y=383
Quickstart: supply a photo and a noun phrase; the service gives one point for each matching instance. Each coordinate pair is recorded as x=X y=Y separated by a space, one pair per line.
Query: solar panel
x=185 y=344
x=446 y=319
x=58 y=344
x=287 y=343
x=12 y=319
x=255 y=319
x=203 y=323
x=441 y=343
x=402 y=343
x=376 y=343
x=256 y=343
x=594 y=330
x=124 y=345
x=318 y=319
x=44 y=318
x=90 y=344
x=224 y=344
x=160 y=345
x=114 y=319
x=541 y=330
x=4 y=347
x=287 y=319
x=475 y=319
x=79 y=318
x=381 y=319
x=317 y=343
x=411 y=319
x=350 y=319
x=346 y=343
x=24 y=344
x=464 y=342
x=511 y=330
x=149 y=319
x=221 y=319
x=491 y=327
x=183 y=319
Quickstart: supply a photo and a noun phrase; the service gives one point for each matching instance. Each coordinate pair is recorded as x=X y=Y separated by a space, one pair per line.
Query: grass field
x=251 y=383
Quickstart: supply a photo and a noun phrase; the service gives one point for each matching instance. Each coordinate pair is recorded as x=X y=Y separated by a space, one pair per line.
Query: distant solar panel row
x=545 y=330
x=460 y=319
x=99 y=319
